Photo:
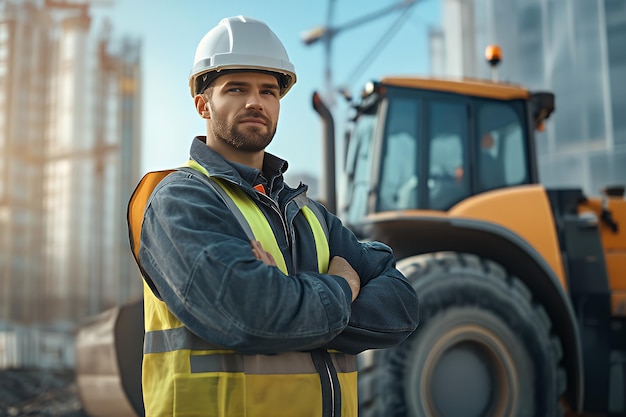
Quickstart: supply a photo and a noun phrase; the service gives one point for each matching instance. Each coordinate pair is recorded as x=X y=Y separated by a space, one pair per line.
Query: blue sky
x=171 y=29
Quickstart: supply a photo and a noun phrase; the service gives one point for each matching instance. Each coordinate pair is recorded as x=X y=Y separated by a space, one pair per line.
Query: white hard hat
x=240 y=43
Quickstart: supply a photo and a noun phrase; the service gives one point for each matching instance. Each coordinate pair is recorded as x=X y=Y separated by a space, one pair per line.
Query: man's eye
x=270 y=92
x=235 y=90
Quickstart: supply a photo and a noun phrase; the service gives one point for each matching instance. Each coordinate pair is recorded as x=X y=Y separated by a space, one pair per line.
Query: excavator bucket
x=108 y=362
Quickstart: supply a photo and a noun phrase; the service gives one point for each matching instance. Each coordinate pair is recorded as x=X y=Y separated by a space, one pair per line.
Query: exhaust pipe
x=328 y=190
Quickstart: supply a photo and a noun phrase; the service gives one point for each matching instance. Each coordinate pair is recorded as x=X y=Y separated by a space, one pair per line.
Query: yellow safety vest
x=184 y=375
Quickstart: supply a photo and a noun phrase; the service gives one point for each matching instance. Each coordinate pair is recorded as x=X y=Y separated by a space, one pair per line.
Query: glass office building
x=576 y=49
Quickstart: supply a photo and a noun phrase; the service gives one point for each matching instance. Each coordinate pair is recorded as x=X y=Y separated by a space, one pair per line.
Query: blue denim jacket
x=197 y=259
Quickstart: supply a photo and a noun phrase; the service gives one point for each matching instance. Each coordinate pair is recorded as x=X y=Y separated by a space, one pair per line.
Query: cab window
x=448 y=179
x=501 y=153
x=399 y=166
x=359 y=163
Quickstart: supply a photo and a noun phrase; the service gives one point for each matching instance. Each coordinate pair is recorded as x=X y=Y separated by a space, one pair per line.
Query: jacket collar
x=242 y=175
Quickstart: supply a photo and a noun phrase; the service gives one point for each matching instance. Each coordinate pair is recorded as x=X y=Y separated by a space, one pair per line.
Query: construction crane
x=327 y=33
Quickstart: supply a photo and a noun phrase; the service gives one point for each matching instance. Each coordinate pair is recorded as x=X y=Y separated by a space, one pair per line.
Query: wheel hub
x=469 y=373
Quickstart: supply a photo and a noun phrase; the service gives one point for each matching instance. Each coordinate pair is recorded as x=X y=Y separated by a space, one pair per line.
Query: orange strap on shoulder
x=137 y=206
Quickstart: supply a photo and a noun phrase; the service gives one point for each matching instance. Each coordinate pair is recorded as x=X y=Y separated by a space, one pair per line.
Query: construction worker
x=256 y=298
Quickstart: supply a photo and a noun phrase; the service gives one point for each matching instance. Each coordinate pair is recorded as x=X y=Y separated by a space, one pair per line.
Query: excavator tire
x=482 y=348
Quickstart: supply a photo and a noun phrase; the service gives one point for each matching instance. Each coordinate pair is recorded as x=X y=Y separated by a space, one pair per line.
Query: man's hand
x=341 y=267
x=261 y=254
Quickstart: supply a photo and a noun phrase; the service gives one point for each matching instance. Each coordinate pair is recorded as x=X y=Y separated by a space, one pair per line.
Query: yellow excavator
x=522 y=288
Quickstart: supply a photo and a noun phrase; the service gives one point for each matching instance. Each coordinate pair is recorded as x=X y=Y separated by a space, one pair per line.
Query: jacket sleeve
x=385 y=312
x=201 y=265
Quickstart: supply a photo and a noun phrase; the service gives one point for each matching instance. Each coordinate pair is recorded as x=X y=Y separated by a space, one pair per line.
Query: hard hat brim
x=204 y=80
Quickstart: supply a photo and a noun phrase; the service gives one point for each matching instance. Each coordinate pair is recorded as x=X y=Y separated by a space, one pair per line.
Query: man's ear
x=202 y=106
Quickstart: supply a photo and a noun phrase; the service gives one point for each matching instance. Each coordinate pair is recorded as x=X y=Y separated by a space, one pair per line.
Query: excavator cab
x=428 y=144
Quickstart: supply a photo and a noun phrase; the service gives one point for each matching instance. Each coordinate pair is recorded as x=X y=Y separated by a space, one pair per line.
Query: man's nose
x=254 y=101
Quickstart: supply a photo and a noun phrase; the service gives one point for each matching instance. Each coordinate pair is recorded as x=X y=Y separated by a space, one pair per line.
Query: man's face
x=244 y=109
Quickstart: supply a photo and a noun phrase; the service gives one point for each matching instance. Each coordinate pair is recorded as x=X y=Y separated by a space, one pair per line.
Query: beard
x=243 y=138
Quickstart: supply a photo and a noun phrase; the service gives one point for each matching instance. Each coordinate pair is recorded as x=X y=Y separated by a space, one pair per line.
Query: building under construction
x=70 y=129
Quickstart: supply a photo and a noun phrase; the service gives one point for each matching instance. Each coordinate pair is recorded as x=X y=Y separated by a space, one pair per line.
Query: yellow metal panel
x=478 y=88
x=524 y=210
x=618 y=303
x=617 y=208
x=613 y=244
x=616 y=268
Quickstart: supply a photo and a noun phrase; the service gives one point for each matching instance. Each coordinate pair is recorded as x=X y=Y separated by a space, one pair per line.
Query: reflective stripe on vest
x=321 y=241
x=182 y=339
x=184 y=375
